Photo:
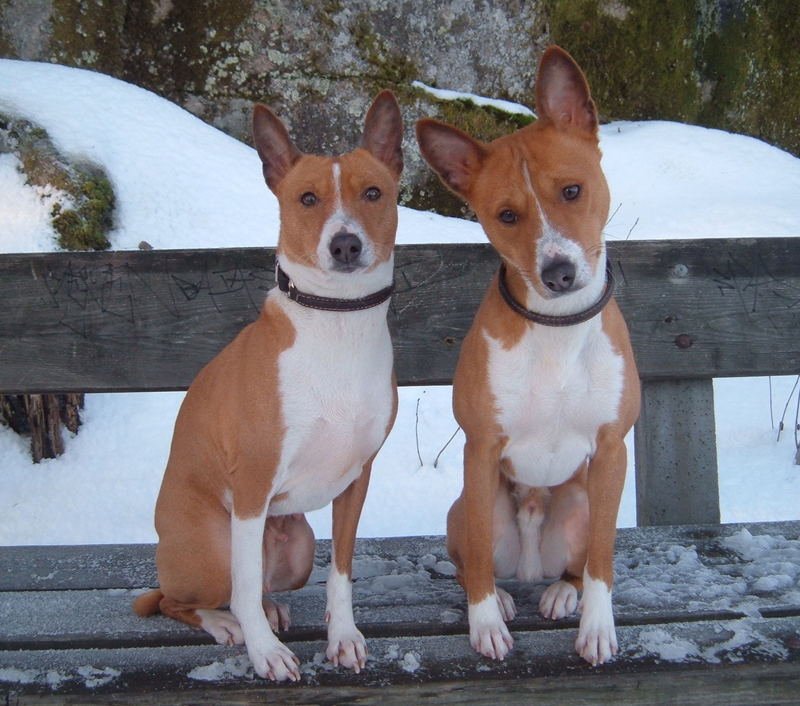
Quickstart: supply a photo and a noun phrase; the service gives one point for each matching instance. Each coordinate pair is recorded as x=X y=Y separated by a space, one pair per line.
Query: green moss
x=638 y=55
x=6 y=49
x=83 y=226
x=429 y=194
x=485 y=123
x=172 y=48
x=749 y=60
x=732 y=65
x=325 y=10
x=390 y=67
x=88 y=33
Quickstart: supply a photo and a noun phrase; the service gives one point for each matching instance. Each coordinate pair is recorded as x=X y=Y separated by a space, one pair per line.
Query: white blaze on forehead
x=548 y=231
x=552 y=245
x=339 y=218
x=337 y=185
x=529 y=183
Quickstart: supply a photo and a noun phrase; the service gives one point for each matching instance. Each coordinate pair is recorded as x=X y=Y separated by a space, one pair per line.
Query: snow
x=232 y=667
x=24 y=210
x=446 y=94
x=745 y=636
x=183 y=184
x=90 y=677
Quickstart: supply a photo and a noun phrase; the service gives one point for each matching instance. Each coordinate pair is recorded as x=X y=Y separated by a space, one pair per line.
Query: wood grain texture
x=448 y=671
x=79 y=597
x=128 y=320
x=681 y=685
x=676 y=454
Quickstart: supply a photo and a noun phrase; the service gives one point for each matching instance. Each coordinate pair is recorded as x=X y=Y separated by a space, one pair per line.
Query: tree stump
x=40 y=417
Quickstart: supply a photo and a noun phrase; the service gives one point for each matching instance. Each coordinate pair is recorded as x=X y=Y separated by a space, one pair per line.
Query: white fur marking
x=488 y=634
x=270 y=658
x=341 y=220
x=597 y=637
x=337 y=185
x=554 y=390
x=335 y=387
x=346 y=645
x=221 y=625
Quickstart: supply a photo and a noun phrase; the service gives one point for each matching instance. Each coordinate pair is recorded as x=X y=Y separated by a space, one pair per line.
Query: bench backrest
x=149 y=320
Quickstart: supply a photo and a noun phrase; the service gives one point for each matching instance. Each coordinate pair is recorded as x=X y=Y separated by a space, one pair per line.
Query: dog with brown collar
x=546 y=386
x=290 y=415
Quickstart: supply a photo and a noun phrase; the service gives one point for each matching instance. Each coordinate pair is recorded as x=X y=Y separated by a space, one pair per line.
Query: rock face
x=720 y=63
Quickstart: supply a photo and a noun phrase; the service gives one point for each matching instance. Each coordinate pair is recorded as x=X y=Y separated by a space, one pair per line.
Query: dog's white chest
x=335 y=385
x=553 y=391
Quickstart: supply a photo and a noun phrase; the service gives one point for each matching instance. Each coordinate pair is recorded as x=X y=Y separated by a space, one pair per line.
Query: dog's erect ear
x=562 y=93
x=273 y=144
x=453 y=155
x=383 y=132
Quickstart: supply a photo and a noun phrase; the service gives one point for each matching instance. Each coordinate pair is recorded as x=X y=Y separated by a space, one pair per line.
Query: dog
x=546 y=386
x=290 y=415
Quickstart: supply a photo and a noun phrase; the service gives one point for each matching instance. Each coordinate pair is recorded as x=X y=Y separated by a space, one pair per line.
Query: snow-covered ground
x=181 y=183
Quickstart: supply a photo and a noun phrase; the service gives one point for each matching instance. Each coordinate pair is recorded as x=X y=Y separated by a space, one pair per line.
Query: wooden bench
x=705 y=612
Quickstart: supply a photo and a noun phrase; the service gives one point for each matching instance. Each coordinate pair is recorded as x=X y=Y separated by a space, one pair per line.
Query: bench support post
x=676 y=454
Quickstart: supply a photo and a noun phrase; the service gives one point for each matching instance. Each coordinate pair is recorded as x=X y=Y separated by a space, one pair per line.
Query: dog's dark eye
x=372 y=194
x=571 y=192
x=308 y=199
x=508 y=216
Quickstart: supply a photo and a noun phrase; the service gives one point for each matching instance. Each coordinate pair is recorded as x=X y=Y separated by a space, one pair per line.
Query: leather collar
x=312 y=301
x=565 y=320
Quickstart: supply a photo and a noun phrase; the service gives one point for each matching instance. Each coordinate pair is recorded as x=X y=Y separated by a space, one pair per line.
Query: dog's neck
x=315 y=301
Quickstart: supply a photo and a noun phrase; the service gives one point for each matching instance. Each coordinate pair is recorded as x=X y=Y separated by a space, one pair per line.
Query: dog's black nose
x=559 y=276
x=345 y=248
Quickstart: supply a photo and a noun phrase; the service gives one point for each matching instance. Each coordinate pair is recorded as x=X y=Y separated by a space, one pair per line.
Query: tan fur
x=222 y=444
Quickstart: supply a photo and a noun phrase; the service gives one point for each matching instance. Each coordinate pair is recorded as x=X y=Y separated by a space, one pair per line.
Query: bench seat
x=687 y=597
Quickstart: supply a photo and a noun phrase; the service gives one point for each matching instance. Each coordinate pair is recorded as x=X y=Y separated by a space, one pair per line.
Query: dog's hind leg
x=288 y=560
x=564 y=545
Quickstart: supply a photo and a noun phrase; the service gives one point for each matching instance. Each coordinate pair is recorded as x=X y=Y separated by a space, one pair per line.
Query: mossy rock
x=422 y=189
x=83 y=224
x=729 y=64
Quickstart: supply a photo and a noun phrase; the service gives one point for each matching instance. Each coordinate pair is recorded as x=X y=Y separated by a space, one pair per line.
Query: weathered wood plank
x=676 y=454
x=149 y=320
x=756 y=684
x=404 y=586
x=405 y=661
x=101 y=566
x=686 y=598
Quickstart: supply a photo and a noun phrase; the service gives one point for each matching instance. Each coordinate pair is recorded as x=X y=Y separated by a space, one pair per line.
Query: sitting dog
x=290 y=415
x=546 y=386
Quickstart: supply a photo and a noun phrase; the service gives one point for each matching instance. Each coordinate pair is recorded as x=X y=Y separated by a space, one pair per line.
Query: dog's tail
x=147 y=603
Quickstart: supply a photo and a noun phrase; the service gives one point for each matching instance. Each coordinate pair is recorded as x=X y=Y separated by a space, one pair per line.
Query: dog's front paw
x=273 y=660
x=597 y=637
x=488 y=633
x=348 y=649
x=597 y=644
x=559 y=600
